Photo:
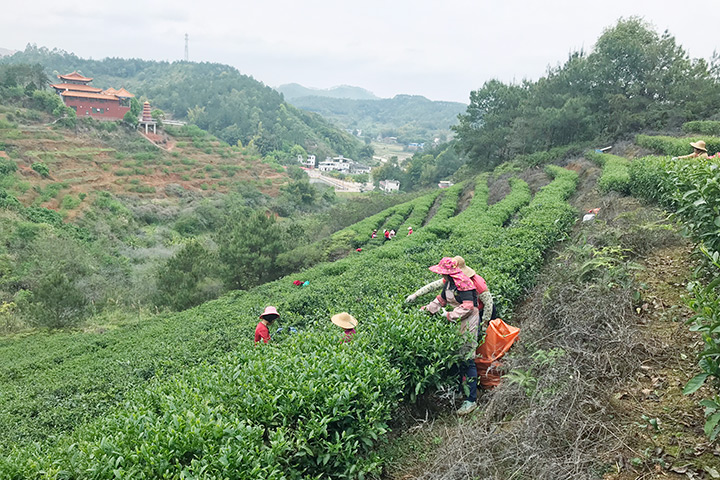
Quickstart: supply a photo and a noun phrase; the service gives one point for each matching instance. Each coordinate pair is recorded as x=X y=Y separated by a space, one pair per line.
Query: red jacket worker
x=266 y=319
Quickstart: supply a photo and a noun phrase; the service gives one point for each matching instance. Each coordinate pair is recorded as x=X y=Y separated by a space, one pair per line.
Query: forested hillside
x=409 y=118
x=634 y=79
x=218 y=98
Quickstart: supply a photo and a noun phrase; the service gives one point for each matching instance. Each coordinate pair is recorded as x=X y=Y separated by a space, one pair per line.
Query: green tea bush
x=41 y=168
x=615 y=173
x=449 y=204
x=702 y=127
x=307 y=406
x=691 y=188
x=420 y=211
x=676 y=147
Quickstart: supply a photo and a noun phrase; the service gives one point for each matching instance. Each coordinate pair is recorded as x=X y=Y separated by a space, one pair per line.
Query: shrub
x=41 y=168
x=7 y=166
x=8 y=201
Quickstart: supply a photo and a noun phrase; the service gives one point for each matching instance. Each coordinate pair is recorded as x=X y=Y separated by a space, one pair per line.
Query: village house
x=389 y=185
x=89 y=101
x=307 y=163
x=445 y=184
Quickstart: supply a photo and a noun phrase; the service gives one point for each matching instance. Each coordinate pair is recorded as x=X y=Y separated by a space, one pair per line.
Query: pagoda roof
x=123 y=93
x=76 y=87
x=110 y=91
x=75 y=76
x=97 y=96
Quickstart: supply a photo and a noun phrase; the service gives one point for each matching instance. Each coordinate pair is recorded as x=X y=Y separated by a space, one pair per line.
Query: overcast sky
x=439 y=49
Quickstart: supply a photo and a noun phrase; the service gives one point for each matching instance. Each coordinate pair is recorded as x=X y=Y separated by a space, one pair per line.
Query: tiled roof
x=76 y=87
x=75 y=76
x=98 y=96
x=123 y=93
x=110 y=91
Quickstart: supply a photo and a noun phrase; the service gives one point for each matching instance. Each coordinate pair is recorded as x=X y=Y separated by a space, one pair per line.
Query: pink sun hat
x=269 y=311
x=446 y=266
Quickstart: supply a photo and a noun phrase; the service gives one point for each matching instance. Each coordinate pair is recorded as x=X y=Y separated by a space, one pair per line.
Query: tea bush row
x=691 y=188
x=615 y=174
x=325 y=422
x=676 y=147
x=702 y=127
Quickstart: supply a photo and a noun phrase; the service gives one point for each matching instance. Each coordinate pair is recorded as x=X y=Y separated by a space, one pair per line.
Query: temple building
x=88 y=101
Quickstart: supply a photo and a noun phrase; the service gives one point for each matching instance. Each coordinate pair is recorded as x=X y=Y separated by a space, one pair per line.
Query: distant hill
x=410 y=118
x=215 y=97
x=5 y=52
x=292 y=91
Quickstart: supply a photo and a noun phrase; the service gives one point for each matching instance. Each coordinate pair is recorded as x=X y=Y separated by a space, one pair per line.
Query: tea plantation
x=190 y=396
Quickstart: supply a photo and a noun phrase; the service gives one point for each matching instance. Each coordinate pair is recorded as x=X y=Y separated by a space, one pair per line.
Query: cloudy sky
x=439 y=49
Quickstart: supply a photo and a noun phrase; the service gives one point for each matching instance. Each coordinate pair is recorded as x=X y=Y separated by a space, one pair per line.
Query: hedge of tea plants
x=307 y=405
x=615 y=174
x=674 y=146
x=691 y=188
x=702 y=127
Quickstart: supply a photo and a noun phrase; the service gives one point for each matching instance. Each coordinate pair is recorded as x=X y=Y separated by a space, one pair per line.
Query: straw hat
x=344 y=320
x=447 y=266
x=700 y=145
x=269 y=311
x=460 y=262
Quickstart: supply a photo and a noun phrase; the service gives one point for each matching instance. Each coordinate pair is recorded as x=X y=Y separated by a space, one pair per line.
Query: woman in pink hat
x=486 y=304
x=459 y=292
x=266 y=319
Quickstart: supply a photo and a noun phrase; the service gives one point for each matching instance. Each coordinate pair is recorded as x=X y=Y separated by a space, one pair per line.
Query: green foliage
x=633 y=79
x=249 y=247
x=8 y=201
x=615 y=172
x=218 y=98
x=690 y=188
x=409 y=118
x=7 y=166
x=676 y=146
x=306 y=406
x=702 y=127
x=131 y=119
x=50 y=102
x=56 y=301
x=41 y=168
x=189 y=278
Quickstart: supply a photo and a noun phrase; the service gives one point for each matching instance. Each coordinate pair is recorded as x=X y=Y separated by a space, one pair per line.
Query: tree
x=189 y=278
x=248 y=248
x=131 y=119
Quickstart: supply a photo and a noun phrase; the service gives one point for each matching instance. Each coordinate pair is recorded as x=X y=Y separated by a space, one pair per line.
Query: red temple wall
x=86 y=107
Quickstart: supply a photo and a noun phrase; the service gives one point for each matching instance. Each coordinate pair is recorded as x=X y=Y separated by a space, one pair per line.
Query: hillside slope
x=107 y=157
x=411 y=118
x=217 y=98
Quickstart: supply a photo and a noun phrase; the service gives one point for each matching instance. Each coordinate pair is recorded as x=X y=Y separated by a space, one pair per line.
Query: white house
x=360 y=168
x=445 y=184
x=307 y=163
x=389 y=185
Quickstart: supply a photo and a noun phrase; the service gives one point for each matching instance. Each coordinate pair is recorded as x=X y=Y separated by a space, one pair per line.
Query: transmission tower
x=187 y=56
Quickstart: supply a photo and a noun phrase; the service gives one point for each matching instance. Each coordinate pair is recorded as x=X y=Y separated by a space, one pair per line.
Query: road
x=337 y=184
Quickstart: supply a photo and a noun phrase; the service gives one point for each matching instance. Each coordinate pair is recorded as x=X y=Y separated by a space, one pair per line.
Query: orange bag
x=499 y=337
